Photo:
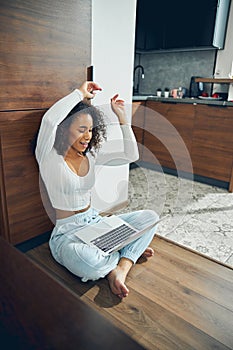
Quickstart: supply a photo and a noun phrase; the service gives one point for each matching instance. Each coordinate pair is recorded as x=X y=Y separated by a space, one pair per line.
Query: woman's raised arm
x=57 y=113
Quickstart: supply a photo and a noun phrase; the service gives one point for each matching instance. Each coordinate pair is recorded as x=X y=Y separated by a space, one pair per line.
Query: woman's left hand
x=89 y=88
x=118 y=107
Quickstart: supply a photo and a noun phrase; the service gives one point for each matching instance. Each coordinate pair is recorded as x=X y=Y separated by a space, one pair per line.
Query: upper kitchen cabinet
x=182 y=25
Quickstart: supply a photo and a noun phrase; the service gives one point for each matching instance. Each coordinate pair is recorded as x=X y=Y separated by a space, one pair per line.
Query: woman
x=68 y=144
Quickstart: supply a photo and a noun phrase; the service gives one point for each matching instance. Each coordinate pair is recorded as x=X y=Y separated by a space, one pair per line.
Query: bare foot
x=116 y=279
x=149 y=252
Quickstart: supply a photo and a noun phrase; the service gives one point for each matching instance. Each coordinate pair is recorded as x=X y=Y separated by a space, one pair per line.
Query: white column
x=113 y=35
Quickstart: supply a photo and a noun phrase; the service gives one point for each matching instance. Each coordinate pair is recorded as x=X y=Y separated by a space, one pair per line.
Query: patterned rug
x=200 y=216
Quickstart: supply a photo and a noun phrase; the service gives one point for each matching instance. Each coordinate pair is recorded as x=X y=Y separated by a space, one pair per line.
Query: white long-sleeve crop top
x=67 y=190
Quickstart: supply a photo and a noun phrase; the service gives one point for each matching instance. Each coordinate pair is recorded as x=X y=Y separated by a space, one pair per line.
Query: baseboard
x=182 y=174
x=33 y=242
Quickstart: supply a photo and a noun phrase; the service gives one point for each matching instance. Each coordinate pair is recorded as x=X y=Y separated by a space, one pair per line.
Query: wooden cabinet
x=212 y=144
x=138 y=117
x=196 y=139
x=22 y=212
x=168 y=134
x=171 y=25
x=45 y=51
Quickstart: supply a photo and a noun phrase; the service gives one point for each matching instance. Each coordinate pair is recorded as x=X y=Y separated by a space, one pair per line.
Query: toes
x=120 y=290
x=148 y=252
x=123 y=295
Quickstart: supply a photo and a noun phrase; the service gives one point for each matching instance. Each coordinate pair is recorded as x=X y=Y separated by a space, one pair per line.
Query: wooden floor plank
x=37 y=312
x=193 y=274
x=178 y=299
x=195 y=259
x=198 y=311
x=150 y=322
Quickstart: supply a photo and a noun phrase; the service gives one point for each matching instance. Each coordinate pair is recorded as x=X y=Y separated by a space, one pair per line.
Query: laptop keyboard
x=113 y=238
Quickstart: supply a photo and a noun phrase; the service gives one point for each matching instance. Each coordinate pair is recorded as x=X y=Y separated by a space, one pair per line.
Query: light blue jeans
x=87 y=262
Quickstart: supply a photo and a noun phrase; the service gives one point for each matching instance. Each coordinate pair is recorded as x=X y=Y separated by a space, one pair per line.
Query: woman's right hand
x=118 y=107
x=88 y=89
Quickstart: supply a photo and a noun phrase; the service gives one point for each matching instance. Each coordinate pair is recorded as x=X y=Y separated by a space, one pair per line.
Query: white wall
x=113 y=32
x=225 y=57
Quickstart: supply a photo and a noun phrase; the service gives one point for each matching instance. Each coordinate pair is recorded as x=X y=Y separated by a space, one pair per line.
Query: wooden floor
x=178 y=299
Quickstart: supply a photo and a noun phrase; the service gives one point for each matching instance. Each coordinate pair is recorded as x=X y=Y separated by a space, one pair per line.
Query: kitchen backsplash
x=174 y=69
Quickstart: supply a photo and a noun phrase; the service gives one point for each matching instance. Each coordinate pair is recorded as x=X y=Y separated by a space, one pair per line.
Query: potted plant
x=159 y=92
x=166 y=92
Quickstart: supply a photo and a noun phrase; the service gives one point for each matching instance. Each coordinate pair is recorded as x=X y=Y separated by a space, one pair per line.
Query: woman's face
x=80 y=132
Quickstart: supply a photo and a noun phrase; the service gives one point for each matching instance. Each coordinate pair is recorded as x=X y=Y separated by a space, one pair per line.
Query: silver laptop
x=113 y=233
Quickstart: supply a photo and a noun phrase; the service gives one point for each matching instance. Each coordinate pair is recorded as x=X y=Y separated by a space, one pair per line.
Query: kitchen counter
x=204 y=126
x=182 y=100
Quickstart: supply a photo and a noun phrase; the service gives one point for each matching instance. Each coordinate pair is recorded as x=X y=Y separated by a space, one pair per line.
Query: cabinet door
x=168 y=134
x=138 y=115
x=23 y=215
x=45 y=49
x=149 y=26
x=162 y=25
x=212 y=149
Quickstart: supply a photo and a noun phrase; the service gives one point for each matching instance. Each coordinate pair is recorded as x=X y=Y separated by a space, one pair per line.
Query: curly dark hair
x=98 y=132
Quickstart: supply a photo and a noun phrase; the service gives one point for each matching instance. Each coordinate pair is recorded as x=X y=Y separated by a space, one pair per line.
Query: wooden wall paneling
x=26 y=216
x=212 y=149
x=45 y=47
